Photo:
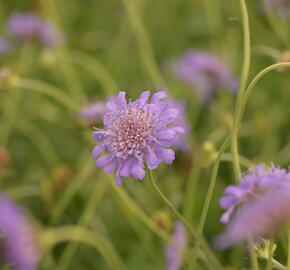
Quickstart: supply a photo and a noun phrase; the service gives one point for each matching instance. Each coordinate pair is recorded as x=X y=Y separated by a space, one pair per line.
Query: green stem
x=270 y=255
x=71 y=190
x=278 y=265
x=54 y=236
x=208 y=201
x=253 y=83
x=191 y=185
x=242 y=88
x=183 y=220
x=46 y=89
x=69 y=73
x=10 y=109
x=254 y=260
x=85 y=219
x=169 y=204
x=144 y=44
x=97 y=70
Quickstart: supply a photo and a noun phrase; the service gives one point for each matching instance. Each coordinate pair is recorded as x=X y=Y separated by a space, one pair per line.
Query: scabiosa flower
x=204 y=72
x=174 y=252
x=93 y=112
x=181 y=141
x=18 y=239
x=136 y=132
x=24 y=26
x=5 y=46
x=258 y=181
x=263 y=217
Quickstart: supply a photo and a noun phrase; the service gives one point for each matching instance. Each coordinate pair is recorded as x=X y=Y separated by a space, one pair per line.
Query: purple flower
x=174 y=252
x=24 y=26
x=280 y=5
x=181 y=141
x=136 y=132
x=260 y=218
x=204 y=72
x=93 y=112
x=254 y=184
x=18 y=239
x=5 y=46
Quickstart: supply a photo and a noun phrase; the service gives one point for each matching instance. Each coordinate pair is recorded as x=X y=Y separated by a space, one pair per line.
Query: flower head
x=174 y=253
x=135 y=132
x=254 y=184
x=24 y=26
x=204 y=72
x=93 y=113
x=5 y=46
x=17 y=237
x=260 y=218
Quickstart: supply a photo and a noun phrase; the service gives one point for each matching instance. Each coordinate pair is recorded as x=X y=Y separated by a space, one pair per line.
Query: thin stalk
x=270 y=255
x=85 y=219
x=11 y=109
x=253 y=84
x=191 y=185
x=171 y=207
x=183 y=220
x=207 y=202
x=278 y=265
x=242 y=88
x=145 y=48
x=253 y=255
x=71 y=190
x=69 y=73
x=47 y=89
x=97 y=70
x=54 y=236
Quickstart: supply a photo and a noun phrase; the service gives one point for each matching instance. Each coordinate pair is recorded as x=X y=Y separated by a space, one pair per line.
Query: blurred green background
x=126 y=45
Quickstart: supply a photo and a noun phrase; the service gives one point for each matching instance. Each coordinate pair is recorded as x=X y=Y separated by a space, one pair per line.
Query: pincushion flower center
x=131 y=132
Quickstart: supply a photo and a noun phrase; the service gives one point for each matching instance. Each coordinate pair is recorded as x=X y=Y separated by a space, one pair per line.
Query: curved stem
x=85 y=219
x=71 y=190
x=69 y=73
x=172 y=208
x=97 y=70
x=183 y=220
x=242 y=88
x=144 y=43
x=46 y=89
x=208 y=201
x=54 y=236
x=254 y=82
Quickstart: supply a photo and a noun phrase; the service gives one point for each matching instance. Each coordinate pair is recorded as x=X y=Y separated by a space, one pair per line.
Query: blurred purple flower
x=135 y=132
x=181 y=141
x=204 y=72
x=5 y=46
x=18 y=239
x=258 y=181
x=280 y=5
x=174 y=253
x=93 y=112
x=24 y=26
x=260 y=218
